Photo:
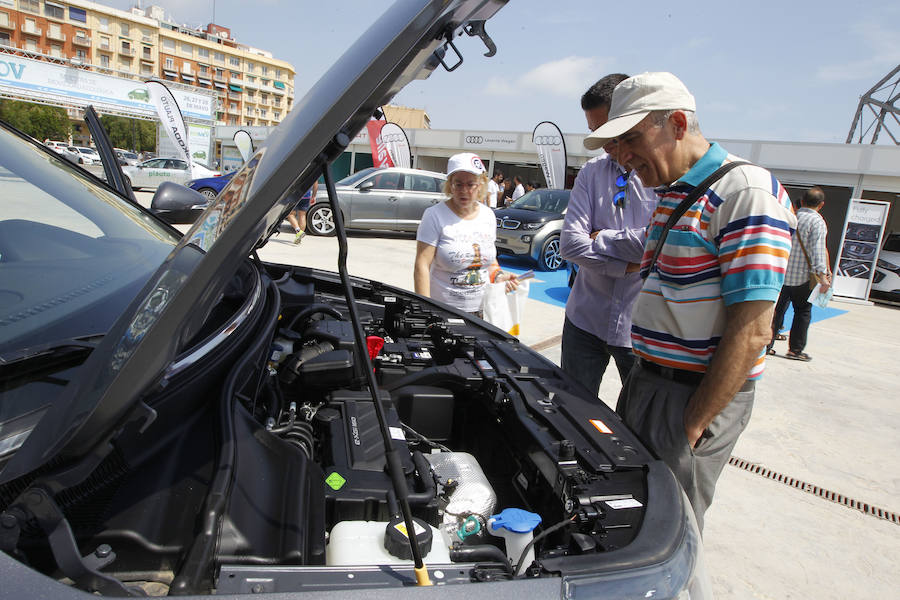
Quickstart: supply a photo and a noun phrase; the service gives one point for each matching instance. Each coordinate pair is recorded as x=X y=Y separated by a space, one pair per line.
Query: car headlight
x=888 y=266
x=532 y=225
x=682 y=576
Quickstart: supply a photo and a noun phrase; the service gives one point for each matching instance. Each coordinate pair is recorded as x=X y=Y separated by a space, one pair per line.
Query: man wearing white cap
x=711 y=278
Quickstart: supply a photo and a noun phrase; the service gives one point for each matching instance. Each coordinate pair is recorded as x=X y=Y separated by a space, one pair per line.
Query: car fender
x=540 y=236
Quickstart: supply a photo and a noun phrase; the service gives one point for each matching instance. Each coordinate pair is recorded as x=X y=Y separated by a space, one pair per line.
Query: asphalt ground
x=816 y=514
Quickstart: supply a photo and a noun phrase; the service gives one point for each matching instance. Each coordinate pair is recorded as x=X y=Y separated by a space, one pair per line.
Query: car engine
x=264 y=469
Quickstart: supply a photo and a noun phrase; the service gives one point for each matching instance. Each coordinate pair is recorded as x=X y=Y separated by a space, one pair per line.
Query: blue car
x=210 y=186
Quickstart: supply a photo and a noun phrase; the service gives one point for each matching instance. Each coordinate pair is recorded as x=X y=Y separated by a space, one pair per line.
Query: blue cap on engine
x=515 y=520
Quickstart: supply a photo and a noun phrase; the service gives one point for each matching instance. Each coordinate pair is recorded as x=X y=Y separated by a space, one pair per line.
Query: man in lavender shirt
x=603 y=234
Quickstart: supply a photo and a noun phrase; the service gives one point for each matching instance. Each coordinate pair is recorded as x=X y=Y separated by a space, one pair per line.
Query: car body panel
x=391 y=199
x=150 y=173
x=126 y=157
x=213 y=183
x=88 y=153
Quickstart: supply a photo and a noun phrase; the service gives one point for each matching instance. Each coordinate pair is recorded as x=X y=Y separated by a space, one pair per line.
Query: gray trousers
x=653 y=407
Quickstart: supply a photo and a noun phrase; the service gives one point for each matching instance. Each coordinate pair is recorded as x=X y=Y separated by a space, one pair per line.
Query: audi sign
x=547 y=140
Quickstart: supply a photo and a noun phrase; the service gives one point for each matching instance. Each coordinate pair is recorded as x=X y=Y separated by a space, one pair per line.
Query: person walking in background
x=519 y=190
x=603 y=232
x=704 y=314
x=297 y=217
x=493 y=195
x=808 y=257
x=455 y=252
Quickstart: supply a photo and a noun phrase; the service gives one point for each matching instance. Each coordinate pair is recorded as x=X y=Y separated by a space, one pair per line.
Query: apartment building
x=252 y=87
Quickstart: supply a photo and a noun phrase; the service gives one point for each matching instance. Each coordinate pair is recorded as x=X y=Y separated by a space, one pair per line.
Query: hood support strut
x=395 y=469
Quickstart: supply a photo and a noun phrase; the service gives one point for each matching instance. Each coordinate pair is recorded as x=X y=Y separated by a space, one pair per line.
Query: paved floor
x=832 y=423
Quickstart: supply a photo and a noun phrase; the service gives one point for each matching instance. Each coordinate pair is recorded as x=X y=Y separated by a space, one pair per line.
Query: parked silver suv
x=391 y=199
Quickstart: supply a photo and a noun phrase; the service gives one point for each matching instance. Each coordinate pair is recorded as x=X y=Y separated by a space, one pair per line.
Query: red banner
x=380 y=156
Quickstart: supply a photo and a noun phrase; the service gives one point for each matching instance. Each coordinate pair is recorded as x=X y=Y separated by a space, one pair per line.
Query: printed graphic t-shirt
x=464 y=250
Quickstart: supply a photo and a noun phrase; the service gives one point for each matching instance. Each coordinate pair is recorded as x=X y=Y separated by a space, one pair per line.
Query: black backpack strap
x=688 y=202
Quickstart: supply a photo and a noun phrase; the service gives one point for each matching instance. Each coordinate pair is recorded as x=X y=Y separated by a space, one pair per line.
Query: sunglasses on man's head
x=622 y=184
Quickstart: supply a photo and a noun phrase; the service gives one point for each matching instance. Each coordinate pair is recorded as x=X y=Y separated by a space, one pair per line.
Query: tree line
x=44 y=122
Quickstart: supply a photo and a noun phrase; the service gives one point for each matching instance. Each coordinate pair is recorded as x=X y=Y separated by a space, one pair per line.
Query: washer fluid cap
x=515 y=520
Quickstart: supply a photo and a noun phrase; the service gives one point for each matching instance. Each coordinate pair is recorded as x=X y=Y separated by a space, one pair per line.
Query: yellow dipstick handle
x=422 y=576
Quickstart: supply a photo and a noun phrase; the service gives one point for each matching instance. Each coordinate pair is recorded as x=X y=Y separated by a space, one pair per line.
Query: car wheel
x=550 y=259
x=319 y=220
x=208 y=192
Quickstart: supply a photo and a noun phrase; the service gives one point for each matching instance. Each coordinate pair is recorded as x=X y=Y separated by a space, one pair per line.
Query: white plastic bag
x=819 y=298
x=503 y=310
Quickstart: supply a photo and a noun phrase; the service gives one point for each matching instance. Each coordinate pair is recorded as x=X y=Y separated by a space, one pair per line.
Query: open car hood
x=403 y=45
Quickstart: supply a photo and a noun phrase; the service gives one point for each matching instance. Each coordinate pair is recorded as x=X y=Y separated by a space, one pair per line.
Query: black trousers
x=797 y=296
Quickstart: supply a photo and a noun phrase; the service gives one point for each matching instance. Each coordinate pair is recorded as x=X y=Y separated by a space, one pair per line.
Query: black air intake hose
x=479 y=553
x=312 y=309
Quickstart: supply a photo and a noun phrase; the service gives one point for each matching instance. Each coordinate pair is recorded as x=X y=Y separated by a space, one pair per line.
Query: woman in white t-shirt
x=455 y=253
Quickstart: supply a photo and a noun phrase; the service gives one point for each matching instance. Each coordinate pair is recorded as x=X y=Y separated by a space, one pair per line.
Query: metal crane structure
x=881 y=102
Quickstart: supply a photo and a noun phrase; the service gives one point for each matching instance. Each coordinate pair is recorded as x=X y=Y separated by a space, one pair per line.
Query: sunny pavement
x=832 y=422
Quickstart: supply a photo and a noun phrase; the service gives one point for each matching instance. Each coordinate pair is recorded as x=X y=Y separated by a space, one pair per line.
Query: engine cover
x=357 y=484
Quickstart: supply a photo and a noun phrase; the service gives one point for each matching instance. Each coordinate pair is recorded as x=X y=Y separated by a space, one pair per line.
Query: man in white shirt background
x=520 y=189
x=494 y=189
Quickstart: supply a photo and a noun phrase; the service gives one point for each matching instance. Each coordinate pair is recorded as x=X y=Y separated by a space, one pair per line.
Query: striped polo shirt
x=732 y=245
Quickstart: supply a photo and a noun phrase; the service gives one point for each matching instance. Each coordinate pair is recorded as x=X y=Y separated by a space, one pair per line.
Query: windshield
x=353 y=179
x=554 y=201
x=72 y=253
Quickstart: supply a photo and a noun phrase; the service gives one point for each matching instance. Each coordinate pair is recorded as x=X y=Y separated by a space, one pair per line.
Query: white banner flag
x=393 y=136
x=551 y=149
x=171 y=118
x=244 y=143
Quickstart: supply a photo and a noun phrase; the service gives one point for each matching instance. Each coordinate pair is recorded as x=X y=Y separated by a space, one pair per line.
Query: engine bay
x=264 y=469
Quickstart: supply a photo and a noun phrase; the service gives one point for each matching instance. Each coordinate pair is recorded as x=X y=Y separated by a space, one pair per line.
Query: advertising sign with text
x=860 y=242
x=70 y=85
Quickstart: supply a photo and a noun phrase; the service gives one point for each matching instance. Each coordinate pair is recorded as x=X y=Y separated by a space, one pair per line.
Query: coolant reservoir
x=362 y=543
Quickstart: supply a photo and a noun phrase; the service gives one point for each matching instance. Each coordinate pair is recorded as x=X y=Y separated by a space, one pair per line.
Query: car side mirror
x=365 y=186
x=172 y=196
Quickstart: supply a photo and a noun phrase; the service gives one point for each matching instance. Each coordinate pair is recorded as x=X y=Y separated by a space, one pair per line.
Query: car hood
x=170 y=310
x=527 y=216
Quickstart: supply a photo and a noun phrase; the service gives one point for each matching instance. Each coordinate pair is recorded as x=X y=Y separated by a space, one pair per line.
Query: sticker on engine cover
x=601 y=426
x=401 y=527
x=625 y=503
x=335 y=481
x=397 y=433
x=455 y=321
x=422 y=355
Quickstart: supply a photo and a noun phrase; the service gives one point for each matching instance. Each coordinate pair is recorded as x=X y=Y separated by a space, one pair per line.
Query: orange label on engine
x=601 y=426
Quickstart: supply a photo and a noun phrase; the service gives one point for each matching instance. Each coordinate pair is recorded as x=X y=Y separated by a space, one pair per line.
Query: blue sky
x=789 y=70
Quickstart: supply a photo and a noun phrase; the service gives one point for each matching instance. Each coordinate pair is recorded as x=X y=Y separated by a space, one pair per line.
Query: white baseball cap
x=634 y=98
x=465 y=161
